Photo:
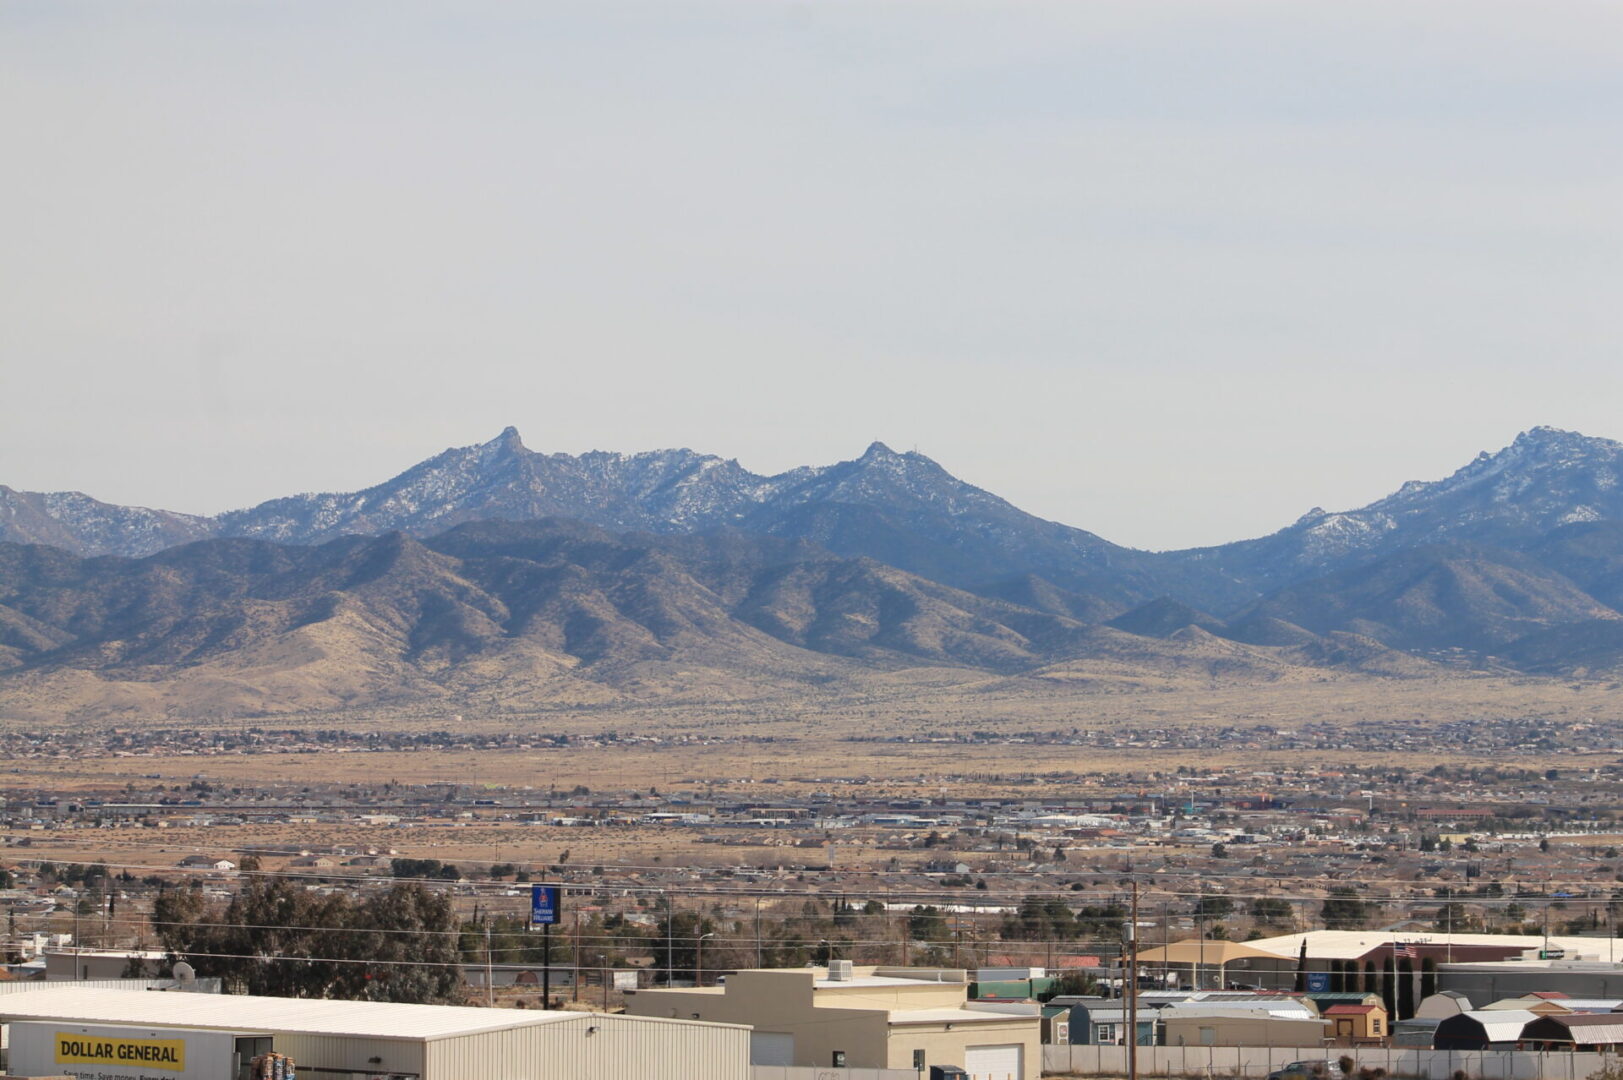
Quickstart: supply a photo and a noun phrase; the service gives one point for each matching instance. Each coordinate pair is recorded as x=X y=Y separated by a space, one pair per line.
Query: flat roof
x=954 y=1016
x=295 y=1016
x=1348 y=944
x=880 y=980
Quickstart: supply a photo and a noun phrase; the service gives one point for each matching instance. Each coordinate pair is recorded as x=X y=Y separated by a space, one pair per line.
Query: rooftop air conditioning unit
x=840 y=970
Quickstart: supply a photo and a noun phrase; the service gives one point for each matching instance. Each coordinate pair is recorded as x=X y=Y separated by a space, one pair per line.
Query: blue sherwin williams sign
x=543 y=905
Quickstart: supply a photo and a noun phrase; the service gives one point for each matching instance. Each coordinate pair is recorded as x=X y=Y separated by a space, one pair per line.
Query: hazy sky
x=1172 y=272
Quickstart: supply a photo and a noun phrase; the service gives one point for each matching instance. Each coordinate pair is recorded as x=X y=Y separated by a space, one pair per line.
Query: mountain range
x=494 y=563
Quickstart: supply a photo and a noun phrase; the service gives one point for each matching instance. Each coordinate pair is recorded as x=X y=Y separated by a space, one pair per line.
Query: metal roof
x=1285 y=1009
x=1197 y=1011
x=1584 y=1029
x=1500 y=1025
x=1351 y=944
x=240 y=1012
x=1115 y=1016
x=1205 y=953
x=1585 y=1020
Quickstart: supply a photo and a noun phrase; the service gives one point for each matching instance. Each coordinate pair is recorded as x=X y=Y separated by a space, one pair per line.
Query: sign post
x=544 y=909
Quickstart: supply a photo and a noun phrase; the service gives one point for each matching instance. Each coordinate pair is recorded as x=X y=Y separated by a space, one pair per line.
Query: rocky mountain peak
x=509 y=440
x=1543 y=435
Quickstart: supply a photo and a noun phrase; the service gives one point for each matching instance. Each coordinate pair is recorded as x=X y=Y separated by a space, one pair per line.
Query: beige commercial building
x=90 y=964
x=895 y=1018
x=352 y=1040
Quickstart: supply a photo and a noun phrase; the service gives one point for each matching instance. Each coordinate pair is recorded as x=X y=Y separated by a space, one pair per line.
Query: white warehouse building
x=61 y=1031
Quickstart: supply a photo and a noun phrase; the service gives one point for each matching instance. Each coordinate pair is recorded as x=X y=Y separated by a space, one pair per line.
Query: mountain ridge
x=905 y=510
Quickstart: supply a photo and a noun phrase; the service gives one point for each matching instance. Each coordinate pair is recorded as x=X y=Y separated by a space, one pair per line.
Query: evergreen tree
x=1343 y=910
x=277 y=938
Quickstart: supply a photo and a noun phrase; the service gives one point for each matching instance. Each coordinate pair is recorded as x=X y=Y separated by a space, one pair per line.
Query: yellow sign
x=75 y=1049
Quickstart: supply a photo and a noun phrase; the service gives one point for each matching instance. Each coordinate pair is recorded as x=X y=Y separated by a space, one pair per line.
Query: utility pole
x=575 y=994
x=490 y=975
x=1132 y=987
x=1166 y=946
x=546 y=965
x=1200 y=939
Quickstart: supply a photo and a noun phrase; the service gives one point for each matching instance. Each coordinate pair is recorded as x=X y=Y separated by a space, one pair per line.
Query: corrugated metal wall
x=23 y=986
x=349 y=1052
x=621 y=1048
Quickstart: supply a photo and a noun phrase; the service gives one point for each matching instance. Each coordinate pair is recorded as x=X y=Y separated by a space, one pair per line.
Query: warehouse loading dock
x=360 y=1040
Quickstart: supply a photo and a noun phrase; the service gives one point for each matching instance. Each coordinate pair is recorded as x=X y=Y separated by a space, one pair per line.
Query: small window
x=918 y=1061
x=839 y=1059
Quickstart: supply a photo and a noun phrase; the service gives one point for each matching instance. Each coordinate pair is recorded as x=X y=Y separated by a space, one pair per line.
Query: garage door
x=994 y=1062
x=771 y=1048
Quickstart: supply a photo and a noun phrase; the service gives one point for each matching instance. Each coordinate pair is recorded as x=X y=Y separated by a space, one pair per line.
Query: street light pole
x=670 y=948
x=698 y=959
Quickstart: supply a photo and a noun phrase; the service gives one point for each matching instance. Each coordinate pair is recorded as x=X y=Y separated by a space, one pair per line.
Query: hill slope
x=1544 y=480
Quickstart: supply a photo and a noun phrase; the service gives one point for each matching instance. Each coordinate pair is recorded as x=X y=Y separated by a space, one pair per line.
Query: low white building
x=409 y=1042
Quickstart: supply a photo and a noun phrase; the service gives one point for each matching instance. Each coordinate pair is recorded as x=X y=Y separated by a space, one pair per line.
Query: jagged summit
x=1546 y=434
x=902 y=509
x=880 y=452
x=509 y=439
x=1546 y=478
